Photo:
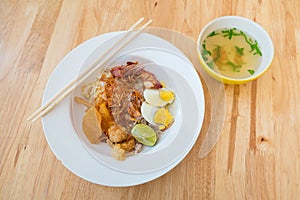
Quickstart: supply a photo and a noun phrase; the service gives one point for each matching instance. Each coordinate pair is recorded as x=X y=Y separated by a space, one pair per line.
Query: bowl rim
x=227 y=79
x=127 y=165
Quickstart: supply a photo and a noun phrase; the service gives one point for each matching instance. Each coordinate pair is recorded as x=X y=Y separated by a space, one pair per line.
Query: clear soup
x=231 y=52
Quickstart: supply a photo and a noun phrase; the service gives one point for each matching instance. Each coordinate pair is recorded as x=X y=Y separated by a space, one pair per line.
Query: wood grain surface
x=258 y=154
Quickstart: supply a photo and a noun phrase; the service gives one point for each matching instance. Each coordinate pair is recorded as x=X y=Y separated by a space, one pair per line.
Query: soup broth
x=231 y=52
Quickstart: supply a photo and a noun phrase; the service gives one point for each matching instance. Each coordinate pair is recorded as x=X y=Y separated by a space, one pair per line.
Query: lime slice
x=144 y=134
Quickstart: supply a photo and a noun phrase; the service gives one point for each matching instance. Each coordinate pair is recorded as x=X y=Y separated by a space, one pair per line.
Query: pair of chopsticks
x=121 y=43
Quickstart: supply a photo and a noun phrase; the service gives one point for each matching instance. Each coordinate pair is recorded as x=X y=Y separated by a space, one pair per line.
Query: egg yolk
x=166 y=95
x=163 y=116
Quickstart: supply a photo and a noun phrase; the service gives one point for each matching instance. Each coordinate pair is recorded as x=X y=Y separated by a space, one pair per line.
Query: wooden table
x=258 y=154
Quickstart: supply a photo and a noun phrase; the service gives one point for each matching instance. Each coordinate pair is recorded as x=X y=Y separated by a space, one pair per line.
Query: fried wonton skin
x=91 y=125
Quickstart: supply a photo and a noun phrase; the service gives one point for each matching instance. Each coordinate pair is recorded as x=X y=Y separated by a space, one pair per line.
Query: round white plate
x=61 y=135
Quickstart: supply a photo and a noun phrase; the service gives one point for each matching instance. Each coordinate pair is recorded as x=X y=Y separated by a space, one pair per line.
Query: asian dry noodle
x=116 y=98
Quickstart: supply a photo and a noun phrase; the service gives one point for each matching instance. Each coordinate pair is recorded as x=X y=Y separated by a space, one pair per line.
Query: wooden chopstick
x=71 y=86
x=84 y=72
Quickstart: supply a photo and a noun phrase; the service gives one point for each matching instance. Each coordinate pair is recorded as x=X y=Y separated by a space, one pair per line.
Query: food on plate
x=107 y=119
x=159 y=97
x=116 y=134
x=130 y=108
x=91 y=125
x=144 y=134
x=156 y=116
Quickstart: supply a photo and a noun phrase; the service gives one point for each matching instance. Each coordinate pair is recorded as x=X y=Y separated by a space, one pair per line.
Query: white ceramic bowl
x=188 y=109
x=249 y=27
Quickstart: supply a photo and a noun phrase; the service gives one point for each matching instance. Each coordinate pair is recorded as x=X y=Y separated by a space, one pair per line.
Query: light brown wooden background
x=258 y=154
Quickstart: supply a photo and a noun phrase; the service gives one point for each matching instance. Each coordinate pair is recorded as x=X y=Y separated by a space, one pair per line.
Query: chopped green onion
x=251 y=71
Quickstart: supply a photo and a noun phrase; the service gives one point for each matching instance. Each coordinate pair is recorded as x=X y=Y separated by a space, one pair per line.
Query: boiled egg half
x=159 y=97
x=158 y=116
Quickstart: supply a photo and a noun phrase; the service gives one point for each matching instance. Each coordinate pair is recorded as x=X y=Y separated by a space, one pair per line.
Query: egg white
x=148 y=111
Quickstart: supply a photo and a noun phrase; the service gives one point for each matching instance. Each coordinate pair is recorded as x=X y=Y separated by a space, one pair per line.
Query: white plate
x=61 y=135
